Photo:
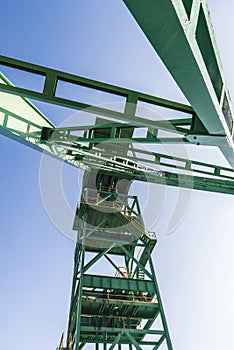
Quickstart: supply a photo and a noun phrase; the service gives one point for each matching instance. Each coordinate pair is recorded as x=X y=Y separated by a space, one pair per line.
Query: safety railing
x=110 y=296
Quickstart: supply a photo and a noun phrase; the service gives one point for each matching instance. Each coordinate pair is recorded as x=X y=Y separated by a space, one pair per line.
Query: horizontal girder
x=53 y=77
x=27 y=131
x=182 y=34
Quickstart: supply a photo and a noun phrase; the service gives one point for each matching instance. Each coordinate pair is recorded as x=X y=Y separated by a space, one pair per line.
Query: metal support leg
x=79 y=306
x=134 y=342
x=163 y=317
x=116 y=341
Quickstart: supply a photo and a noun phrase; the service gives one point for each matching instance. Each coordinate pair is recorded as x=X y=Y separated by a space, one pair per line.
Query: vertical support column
x=163 y=317
x=77 y=257
x=131 y=105
x=79 y=305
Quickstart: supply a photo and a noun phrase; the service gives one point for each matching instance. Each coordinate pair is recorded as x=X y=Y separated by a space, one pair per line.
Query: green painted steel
x=20 y=120
x=130 y=98
x=188 y=50
x=107 y=309
x=122 y=309
x=32 y=119
x=113 y=283
x=94 y=156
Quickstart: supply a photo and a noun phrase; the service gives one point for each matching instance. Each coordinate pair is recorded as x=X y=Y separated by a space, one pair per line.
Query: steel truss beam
x=115 y=133
x=182 y=35
x=63 y=136
x=132 y=98
x=53 y=77
x=181 y=180
x=78 y=154
x=138 y=165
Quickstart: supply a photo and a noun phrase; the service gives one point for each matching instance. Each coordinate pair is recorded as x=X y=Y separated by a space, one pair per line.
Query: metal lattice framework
x=107 y=309
x=124 y=309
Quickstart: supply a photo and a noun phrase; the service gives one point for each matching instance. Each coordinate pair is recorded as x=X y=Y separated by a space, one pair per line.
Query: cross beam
x=182 y=34
x=82 y=156
x=49 y=94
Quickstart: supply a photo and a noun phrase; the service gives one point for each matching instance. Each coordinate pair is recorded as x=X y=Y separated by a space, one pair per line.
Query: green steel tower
x=121 y=308
x=115 y=299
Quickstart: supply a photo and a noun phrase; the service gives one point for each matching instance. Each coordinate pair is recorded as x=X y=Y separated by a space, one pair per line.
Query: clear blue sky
x=195 y=267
